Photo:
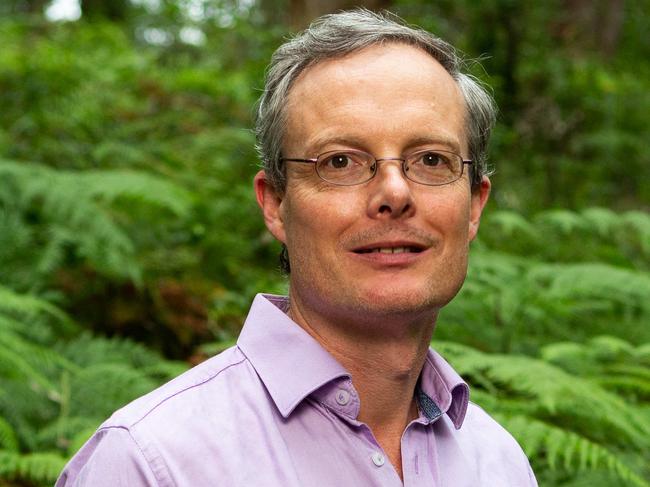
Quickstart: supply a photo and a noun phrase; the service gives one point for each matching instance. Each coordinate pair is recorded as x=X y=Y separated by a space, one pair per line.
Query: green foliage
x=564 y=420
x=36 y=468
x=93 y=98
x=54 y=393
x=66 y=216
x=554 y=284
x=126 y=210
x=590 y=235
x=611 y=362
x=573 y=91
x=543 y=279
x=563 y=450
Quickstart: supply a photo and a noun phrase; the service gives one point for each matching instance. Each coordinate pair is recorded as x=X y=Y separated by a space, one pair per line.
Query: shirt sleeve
x=531 y=477
x=500 y=459
x=111 y=458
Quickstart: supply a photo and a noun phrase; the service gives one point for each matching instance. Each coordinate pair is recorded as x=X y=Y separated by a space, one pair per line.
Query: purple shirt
x=279 y=410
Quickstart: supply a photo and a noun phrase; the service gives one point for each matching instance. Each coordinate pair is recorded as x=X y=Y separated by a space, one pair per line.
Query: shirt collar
x=442 y=385
x=292 y=364
x=289 y=361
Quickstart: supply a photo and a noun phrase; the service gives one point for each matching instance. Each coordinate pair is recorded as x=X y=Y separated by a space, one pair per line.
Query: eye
x=433 y=159
x=339 y=161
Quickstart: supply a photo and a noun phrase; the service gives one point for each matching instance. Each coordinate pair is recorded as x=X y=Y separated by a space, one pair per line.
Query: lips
x=392 y=246
x=390 y=250
x=391 y=243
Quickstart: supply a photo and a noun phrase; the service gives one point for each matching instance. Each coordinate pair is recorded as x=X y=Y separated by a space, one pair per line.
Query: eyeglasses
x=348 y=167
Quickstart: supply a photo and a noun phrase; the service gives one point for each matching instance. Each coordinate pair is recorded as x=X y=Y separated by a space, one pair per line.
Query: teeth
x=389 y=250
x=392 y=250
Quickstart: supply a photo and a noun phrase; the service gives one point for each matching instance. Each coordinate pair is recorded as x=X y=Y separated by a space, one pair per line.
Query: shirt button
x=342 y=397
x=378 y=459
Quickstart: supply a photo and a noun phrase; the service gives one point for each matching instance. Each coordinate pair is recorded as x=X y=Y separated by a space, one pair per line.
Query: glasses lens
x=434 y=167
x=345 y=168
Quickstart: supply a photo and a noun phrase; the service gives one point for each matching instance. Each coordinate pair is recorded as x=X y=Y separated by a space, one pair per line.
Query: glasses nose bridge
x=382 y=159
x=402 y=161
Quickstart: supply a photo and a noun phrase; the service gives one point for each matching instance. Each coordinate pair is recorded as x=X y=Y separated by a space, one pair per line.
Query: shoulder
x=111 y=458
x=495 y=450
x=208 y=378
x=481 y=426
x=149 y=441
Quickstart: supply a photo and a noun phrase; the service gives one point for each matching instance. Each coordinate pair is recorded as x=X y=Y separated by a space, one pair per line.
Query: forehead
x=390 y=89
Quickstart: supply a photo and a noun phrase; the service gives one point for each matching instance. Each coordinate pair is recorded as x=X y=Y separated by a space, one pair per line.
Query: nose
x=390 y=192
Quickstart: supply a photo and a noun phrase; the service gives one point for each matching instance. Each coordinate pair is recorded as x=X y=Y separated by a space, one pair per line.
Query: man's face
x=388 y=101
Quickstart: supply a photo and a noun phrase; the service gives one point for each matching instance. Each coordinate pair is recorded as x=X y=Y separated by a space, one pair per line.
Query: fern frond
x=38 y=468
x=100 y=389
x=25 y=306
x=86 y=350
x=164 y=371
x=15 y=366
x=562 y=449
x=626 y=385
x=623 y=286
x=593 y=234
x=639 y=223
x=63 y=432
x=77 y=209
x=607 y=348
x=643 y=353
x=37 y=182
x=110 y=186
x=546 y=391
x=604 y=221
x=640 y=371
x=26 y=409
x=40 y=357
x=610 y=361
x=563 y=221
x=16 y=254
x=8 y=438
x=513 y=224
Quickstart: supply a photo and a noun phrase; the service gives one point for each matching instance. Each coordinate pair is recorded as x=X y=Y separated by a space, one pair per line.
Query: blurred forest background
x=131 y=245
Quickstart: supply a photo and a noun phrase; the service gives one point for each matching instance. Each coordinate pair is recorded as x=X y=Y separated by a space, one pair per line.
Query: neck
x=384 y=356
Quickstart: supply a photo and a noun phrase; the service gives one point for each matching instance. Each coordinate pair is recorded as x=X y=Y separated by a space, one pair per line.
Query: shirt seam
x=171 y=482
x=166 y=398
x=137 y=445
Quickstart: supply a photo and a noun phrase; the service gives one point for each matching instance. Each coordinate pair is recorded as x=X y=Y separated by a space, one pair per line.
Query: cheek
x=450 y=214
x=319 y=213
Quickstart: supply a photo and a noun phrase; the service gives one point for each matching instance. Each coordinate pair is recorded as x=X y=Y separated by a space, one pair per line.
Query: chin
x=385 y=302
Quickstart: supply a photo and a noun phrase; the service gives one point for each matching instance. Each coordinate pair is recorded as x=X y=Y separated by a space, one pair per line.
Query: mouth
x=411 y=249
x=391 y=248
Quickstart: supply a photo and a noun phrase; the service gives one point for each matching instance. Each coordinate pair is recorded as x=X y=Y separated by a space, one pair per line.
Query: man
x=373 y=145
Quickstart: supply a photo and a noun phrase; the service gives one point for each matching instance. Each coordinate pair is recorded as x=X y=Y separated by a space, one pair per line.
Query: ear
x=479 y=199
x=270 y=202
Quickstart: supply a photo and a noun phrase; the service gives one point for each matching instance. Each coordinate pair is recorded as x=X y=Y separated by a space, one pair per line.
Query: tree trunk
x=594 y=24
x=609 y=26
x=23 y=6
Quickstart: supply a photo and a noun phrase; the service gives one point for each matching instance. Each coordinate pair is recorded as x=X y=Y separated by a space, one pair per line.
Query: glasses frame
x=376 y=164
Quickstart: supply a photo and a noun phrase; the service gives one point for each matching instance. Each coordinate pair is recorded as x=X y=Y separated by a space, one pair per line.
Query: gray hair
x=337 y=35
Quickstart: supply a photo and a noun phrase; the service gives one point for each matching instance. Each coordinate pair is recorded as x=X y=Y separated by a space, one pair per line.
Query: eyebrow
x=451 y=143
x=359 y=142
x=345 y=140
